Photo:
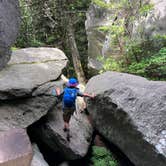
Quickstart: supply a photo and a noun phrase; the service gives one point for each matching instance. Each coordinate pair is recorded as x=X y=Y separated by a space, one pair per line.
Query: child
x=70 y=94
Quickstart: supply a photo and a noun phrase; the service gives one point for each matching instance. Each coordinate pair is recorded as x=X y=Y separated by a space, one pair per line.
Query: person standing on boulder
x=70 y=94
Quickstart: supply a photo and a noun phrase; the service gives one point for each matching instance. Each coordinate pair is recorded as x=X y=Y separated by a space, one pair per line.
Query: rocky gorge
x=128 y=111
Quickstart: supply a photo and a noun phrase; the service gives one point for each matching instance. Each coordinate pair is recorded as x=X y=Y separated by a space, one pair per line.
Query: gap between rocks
x=56 y=158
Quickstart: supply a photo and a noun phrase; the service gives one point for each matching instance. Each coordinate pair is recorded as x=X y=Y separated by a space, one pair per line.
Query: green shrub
x=153 y=67
x=102 y=157
x=110 y=64
x=138 y=50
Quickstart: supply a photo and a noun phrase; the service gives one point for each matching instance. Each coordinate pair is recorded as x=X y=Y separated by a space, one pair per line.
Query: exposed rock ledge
x=25 y=85
x=130 y=111
x=30 y=68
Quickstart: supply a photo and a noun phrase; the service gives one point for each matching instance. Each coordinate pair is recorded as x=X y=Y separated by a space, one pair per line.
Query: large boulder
x=30 y=68
x=26 y=84
x=38 y=159
x=130 y=111
x=15 y=148
x=51 y=132
x=9 y=26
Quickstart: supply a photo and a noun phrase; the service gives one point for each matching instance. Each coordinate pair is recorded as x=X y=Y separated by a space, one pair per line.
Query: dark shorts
x=67 y=113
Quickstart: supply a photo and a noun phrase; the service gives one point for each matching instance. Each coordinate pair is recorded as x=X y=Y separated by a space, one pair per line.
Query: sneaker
x=64 y=129
x=68 y=137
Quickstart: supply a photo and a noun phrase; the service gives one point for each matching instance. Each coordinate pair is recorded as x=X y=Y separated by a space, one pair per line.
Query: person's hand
x=93 y=96
x=58 y=91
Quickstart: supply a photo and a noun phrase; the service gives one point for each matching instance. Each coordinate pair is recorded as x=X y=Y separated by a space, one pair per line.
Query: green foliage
x=44 y=24
x=100 y=3
x=145 y=58
x=145 y=9
x=102 y=157
x=110 y=64
x=136 y=50
x=14 y=48
x=153 y=67
x=104 y=28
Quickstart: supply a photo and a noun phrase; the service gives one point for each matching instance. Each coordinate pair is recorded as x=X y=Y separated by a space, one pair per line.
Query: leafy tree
x=46 y=23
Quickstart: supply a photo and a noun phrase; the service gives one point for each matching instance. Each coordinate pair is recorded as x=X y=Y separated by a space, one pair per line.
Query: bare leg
x=66 y=126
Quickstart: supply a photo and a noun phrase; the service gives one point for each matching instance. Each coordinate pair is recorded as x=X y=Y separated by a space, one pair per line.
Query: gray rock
x=98 y=41
x=154 y=23
x=38 y=159
x=9 y=26
x=53 y=135
x=15 y=148
x=64 y=164
x=28 y=69
x=23 y=112
x=26 y=86
x=130 y=111
x=101 y=43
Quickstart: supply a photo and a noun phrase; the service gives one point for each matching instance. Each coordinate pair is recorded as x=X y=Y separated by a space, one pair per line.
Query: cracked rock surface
x=130 y=111
x=26 y=84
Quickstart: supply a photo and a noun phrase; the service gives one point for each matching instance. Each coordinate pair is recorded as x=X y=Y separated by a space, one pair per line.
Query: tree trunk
x=75 y=54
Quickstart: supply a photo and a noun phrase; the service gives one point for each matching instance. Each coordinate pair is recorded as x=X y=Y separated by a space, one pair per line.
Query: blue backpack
x=69 y=96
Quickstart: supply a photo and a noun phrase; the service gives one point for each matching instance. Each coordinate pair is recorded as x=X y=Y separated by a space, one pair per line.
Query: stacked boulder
x=25 y=97
x=26 y=85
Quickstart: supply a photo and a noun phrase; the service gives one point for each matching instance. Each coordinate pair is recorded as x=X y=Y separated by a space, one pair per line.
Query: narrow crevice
x=117 y=153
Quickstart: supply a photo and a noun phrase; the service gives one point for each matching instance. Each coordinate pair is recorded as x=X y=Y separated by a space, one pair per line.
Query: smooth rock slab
x=130 y=111
x=15 y=148
x=53 y=135
x=9 y=26
x=30 y=68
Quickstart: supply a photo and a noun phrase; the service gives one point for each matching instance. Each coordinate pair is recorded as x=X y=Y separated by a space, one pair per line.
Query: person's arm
x=88 y=95
x=57 y=92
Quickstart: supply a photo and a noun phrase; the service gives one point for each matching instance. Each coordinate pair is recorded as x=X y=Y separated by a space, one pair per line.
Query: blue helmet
x=72 y=82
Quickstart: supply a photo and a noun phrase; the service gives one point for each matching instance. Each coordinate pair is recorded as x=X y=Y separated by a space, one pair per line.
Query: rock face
x=25 y=85
x=15 y=148
x=98 y=41
x=130 y=111
x=155 y=22
x=38 y=159
x=9 y=26
x=51 y=132
x=30 y=68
